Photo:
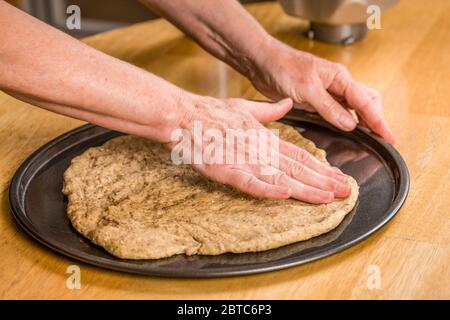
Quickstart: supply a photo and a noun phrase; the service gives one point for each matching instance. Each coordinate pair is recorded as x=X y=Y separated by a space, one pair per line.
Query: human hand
x=318 y=85
x=295 y=174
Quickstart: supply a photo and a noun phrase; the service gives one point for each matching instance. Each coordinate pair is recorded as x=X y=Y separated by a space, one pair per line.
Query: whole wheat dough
x=129 y=198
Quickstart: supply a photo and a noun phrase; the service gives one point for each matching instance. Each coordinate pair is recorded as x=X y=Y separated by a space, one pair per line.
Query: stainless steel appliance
x=335 y=21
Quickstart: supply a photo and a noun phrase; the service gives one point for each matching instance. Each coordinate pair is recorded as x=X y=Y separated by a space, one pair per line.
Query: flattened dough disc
x=129 y=198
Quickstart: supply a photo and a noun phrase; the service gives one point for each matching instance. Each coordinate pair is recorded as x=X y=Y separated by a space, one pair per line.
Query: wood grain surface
x=408 y=60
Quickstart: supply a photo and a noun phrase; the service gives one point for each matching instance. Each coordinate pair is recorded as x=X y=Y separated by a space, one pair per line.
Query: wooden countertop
x=408 y=61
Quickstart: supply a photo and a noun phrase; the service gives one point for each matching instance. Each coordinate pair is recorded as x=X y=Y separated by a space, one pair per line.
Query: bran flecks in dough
x=129 y=198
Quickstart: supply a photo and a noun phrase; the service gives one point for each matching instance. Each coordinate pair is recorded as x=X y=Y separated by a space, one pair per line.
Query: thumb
x=267 y=112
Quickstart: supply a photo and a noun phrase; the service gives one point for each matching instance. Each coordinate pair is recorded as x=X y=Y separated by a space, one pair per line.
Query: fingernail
x=341 y=178
x=342 y=190
x=346 y=121
x=329 y=198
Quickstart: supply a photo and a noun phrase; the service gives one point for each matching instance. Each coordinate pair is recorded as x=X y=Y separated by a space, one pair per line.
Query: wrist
x=165 y=113
x=246 y=53
x=265 y=54
x=265 y=50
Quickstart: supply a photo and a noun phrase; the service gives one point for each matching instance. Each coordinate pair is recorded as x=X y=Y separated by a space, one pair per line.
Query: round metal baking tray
x=39 y=206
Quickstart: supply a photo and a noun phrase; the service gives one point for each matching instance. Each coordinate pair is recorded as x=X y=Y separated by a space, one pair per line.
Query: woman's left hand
x=317 y=85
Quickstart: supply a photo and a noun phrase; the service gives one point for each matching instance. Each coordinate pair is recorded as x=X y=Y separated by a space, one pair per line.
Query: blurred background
x=98 y=16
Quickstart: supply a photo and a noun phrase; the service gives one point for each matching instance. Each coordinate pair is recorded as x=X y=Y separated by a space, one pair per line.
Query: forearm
x=222 y=27
x=52 y=70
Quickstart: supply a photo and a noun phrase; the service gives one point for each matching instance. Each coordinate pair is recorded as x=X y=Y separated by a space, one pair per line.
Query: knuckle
x=329 y=107
x=301 y=155
x=294 y=168
x=248 y=182
x=307 y=84
x=341 y=69
x=245 y=124
x=278 y=178
x=290 y=167
x=297 y=95
x=298 y=169
x=366 y=105
x=342 y=76
x=346 y=84
x=330 y=184
x=376 y=94
x=310 y=87
x=306 y=89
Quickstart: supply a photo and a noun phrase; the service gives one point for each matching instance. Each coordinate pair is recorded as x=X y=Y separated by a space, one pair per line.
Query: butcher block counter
x=408 y=61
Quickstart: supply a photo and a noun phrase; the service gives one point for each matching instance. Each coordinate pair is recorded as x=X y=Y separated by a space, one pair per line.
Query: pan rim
x=17 y=198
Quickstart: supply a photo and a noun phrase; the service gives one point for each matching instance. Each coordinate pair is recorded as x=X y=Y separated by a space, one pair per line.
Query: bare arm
x=47 y=68
x=222 y=27
x=229 y=32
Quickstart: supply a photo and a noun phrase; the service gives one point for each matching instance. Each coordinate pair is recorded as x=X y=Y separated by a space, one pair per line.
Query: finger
x=363 y=123
x=360 y=101
x=370 y=113
x=299 y=190
x=244 y=181
x=364 y=126
x=305 y=158
x=309 y=177
x=329 y=108
x=374 y=94
x=248 y=183
x=304 y=106
x=267 y=112
x=377 y=102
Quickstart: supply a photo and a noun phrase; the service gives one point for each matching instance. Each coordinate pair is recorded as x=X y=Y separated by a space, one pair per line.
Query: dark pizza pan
x=39 y=206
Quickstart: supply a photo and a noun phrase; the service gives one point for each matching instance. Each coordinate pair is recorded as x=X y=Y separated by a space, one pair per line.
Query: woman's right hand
x=294 y=173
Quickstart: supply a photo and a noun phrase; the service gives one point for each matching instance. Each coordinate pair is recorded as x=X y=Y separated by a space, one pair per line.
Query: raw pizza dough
x=129 y=198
